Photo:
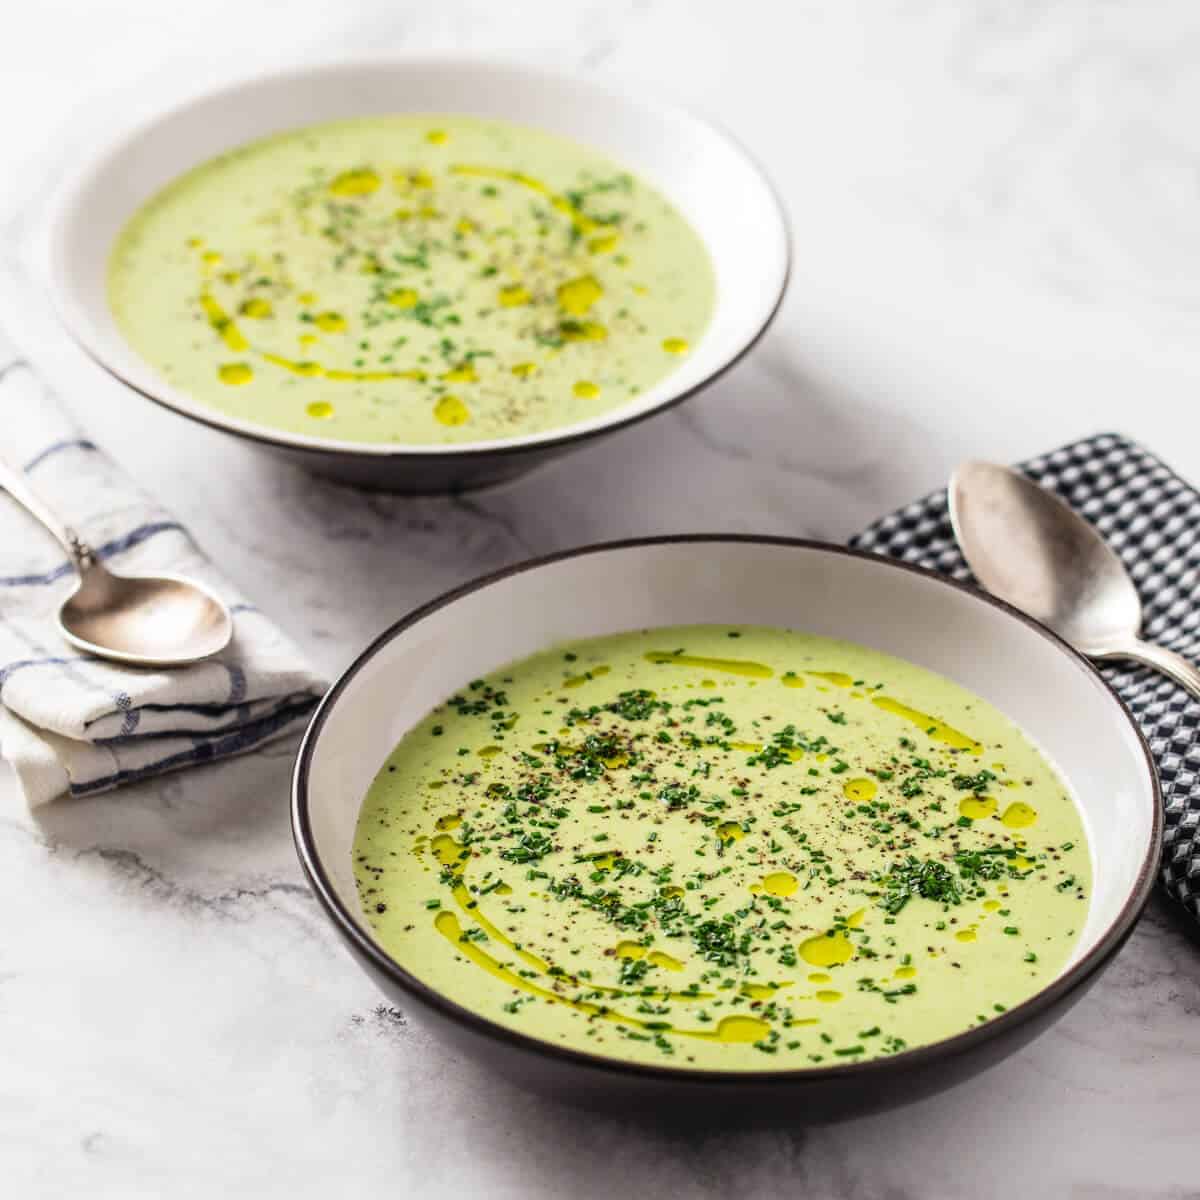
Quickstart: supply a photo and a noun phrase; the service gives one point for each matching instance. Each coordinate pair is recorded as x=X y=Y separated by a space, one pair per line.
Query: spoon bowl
x=142 y=620
x=1026 y=546
x=152 y=620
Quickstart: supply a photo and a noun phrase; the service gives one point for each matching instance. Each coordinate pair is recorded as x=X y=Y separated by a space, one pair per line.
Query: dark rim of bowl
x=947 y=1048
x=501 y=449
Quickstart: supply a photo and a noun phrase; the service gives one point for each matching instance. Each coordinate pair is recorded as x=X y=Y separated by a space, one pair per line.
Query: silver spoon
x=1027 y=547
x=143 y=620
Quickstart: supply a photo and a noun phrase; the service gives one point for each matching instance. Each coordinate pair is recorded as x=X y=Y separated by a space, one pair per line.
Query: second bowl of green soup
x=719 y=821
x=419 y=273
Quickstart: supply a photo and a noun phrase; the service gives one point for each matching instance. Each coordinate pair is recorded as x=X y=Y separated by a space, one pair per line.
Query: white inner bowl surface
x=1059 y=703
x=701 y=171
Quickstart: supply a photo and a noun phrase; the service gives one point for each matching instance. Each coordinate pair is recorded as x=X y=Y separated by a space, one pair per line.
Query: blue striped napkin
x=72 y=725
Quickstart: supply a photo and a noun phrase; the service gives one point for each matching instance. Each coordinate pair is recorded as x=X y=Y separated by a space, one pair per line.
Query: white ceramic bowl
x=702 y=171
x=1019 y=666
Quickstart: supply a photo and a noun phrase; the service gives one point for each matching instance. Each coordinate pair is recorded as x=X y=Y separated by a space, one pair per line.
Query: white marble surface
x=994 y=207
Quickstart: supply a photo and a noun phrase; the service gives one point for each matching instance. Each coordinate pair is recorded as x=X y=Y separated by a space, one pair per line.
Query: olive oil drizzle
x=575 y=298
x=603 y=733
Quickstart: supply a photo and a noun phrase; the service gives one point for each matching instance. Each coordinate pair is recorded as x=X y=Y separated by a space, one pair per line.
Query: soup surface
x=432 y=279
x=723 y=848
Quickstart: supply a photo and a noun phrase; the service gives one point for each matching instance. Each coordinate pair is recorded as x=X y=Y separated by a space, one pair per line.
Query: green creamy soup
x=723 y=848
x=411 y=279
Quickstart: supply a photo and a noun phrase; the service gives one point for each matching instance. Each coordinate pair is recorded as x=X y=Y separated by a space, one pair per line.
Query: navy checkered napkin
x=1151 y=518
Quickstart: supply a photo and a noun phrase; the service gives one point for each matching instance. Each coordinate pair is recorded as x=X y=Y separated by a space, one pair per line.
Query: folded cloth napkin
x=70 y=724
x=1151 y=518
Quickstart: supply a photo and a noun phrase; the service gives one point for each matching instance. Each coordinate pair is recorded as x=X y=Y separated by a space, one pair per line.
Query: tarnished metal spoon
x=1027 y=547
x=143 y=620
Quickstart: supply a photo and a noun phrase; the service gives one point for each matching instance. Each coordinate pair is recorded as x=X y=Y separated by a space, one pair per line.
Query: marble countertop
x=996 y=250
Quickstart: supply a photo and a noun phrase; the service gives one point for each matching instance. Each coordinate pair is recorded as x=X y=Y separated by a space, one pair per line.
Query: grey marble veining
x=996 y=251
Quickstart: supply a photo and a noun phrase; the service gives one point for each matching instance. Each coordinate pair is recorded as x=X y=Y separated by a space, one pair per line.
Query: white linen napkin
x=70 y=724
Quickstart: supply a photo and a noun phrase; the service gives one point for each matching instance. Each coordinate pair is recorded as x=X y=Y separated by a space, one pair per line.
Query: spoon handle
x=1173 y=665
x=16 y=485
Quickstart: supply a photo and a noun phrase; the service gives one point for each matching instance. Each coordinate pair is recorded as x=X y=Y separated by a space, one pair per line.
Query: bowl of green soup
x=722 y=824
x=419 y=273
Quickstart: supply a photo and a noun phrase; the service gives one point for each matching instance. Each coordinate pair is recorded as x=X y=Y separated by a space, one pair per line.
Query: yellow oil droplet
x=330 y=322
x=428 y=212
x=1019 y=815
x=307 y=339
x=307 y=297
x=586 y=390
x=631 y=950
x=235 y=373
x=676 y=345
x=856 y=918
x=230 y=277
x=859 y=789
x=791 y=679
x=502 y=889
x=762 y=991
x=464 y=226
x=448 y=822
x=578 y=295
x=582 y=331
x=978 y=808
x=194 y=243
x=780 y=883
x=820 y=977
x=488 y=751
x=748 y=747
x=361 y=182
x=256 y=308
x=450 y=410
x=414 y=179
x=403 y=214
x=991 y=905
x=461 y=374
x=840 y=678
x=905 y=972
x=604 y=244
x=574 y=681
x=403 y=298
x=604 y=862
x=828 y=996
x=966 y=935
x=321 y=409
x=741 y=1029
x=730 y=831
x=212 y=258
x=660 y=959
x=514 y=296
x=827 y=949
x=437 y=137
x=447 y=851
x=222 y=323
x=708 y=683
x=938 y=730
x=671 y=892
x=524 y=370
x=296 y=368
x=731 y=666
